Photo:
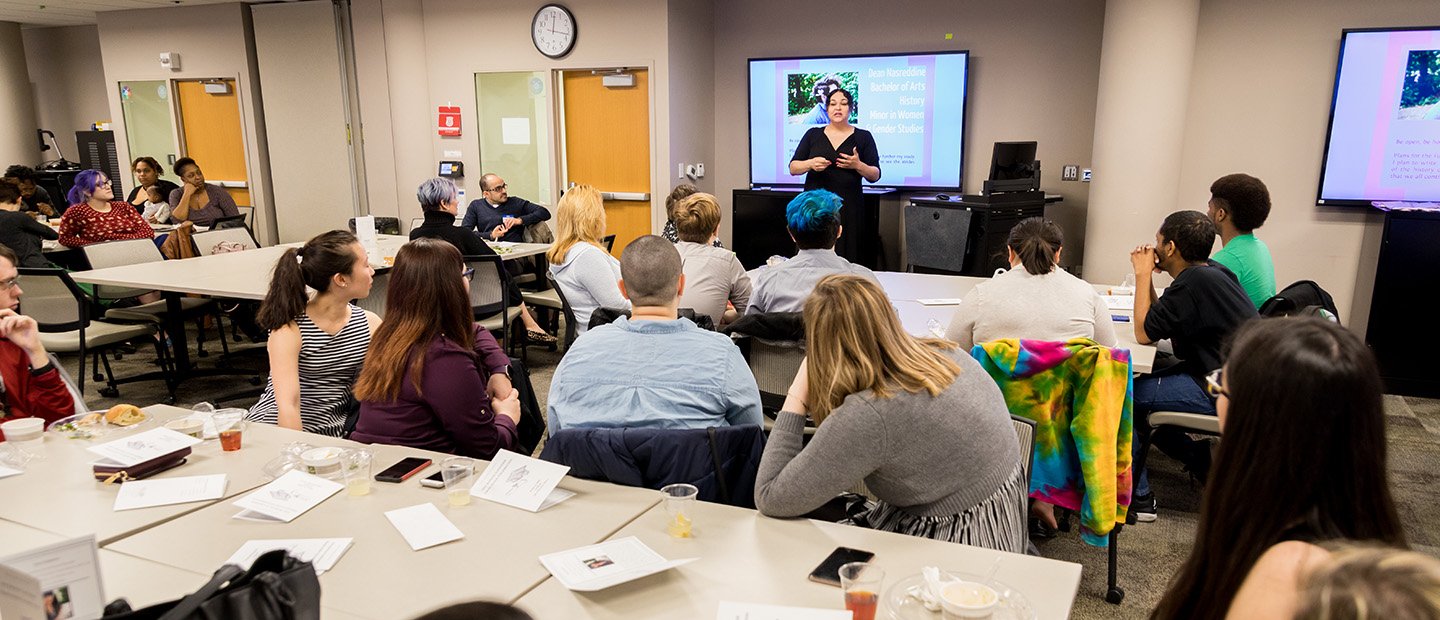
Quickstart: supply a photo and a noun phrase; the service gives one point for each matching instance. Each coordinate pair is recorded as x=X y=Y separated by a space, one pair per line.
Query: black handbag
x=277 y=587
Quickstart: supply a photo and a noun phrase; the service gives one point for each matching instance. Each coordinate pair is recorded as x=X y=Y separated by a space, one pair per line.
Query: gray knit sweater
x=931 y=457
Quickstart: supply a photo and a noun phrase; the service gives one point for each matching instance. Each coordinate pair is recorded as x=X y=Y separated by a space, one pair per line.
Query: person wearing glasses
x=1200 y=310
x=439 y=201
x=498 y=216
x=95 y=216
x=429 y=362
x=30 y=386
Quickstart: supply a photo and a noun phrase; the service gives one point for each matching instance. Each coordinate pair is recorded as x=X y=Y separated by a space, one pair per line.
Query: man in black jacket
x=499 y=216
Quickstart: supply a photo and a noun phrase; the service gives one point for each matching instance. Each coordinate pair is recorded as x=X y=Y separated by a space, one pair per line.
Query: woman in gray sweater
x=917 y=420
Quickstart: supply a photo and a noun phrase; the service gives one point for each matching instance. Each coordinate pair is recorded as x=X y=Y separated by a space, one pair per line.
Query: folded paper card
x=148 y=493
x=596 y=567
x=322 y=552
x=141 y=447
x=520 y=481
x=287 y=497
x=750 y=611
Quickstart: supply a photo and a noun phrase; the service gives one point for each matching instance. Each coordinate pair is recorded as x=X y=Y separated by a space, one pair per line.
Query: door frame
x=173 y=109
x=245 y=141
x=563 y=167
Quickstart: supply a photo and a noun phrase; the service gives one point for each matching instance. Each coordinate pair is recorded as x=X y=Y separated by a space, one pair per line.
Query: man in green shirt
x=1239 y=203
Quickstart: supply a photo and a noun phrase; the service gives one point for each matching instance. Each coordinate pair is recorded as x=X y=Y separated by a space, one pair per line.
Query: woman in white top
x=713 y=275
x=1035 y=299
x=587 y=274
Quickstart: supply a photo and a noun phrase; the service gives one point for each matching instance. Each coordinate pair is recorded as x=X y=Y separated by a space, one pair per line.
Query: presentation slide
x=914 y=105
x=1384 y=142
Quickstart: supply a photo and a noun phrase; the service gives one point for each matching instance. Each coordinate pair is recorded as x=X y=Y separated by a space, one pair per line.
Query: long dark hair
x=426 y=300
x=315 y=265
x=1035 y=240
x=1303 y=456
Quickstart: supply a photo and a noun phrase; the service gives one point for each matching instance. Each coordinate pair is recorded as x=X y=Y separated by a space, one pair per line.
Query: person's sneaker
x=1143 y=507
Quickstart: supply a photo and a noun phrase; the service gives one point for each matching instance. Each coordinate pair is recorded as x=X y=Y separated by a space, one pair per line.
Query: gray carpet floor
x=1149 y=553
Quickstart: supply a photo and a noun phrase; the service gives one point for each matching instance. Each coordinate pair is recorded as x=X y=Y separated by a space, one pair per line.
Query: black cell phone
x=434 y=481
x=402 y=471
x=828 y=572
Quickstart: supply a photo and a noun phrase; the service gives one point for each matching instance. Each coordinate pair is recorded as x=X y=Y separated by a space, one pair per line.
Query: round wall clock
x=553 y=30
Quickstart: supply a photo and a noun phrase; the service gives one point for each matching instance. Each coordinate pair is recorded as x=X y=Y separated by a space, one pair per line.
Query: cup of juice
x=356 y=464
x=861 y=581
x=679 y=509
x=458 y=474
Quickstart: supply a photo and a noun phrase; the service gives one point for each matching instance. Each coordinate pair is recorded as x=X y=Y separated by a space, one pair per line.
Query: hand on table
x=1142 y=258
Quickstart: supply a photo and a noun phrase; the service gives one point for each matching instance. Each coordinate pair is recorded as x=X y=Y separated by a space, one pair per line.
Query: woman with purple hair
x=95 y=216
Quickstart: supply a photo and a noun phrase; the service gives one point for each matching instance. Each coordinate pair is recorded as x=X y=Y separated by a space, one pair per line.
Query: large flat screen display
x=914 y=104
x=1384 y=138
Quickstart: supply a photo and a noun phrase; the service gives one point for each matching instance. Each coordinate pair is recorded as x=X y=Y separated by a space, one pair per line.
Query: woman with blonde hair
x=587 y=274
x=1360 y=582
x=916 y=419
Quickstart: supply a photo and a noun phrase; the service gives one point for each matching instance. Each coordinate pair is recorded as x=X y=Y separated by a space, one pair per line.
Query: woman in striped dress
x=917 y=420
x=317 y=345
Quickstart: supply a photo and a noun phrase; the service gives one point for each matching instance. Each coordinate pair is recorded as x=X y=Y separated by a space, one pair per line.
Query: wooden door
x=607 y=145
x=211 y=134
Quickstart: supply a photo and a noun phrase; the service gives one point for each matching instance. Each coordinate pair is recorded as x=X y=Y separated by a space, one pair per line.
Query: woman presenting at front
x=836 y=157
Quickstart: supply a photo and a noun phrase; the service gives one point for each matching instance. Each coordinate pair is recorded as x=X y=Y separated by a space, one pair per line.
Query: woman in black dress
x=836 y=157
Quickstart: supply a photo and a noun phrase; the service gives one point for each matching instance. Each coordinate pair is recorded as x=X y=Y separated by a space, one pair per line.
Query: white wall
x=692 y=92
x=17 y=110
x=68 y=82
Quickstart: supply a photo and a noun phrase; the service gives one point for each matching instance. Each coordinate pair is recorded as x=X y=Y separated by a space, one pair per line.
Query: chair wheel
x=97 y=377
x=110 y=392
x=1115 y=595
x=118 y=355
x=203 y=353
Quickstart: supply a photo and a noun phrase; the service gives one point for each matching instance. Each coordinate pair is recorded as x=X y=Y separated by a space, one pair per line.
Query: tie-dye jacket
x=1079 y=394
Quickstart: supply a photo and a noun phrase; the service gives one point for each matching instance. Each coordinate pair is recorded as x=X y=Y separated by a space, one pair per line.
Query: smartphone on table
x=402 y=470
x=828 y=572
x=434 y=481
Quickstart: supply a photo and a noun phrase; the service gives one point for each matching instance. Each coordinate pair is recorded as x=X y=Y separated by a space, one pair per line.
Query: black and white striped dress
x=329 y=366
x=998 y=522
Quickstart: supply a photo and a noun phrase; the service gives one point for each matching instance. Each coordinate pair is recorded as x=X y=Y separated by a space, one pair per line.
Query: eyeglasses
x=498 y=188
x=468 y=274
x=6 y=285
x=1213 y=385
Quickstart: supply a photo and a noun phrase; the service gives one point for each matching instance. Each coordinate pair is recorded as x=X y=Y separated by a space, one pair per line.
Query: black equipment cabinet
x=936 y=242
x=1402 y=331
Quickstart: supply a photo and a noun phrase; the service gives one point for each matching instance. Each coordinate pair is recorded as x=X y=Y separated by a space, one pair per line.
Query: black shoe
x=1040 y=531
x=1143 y=507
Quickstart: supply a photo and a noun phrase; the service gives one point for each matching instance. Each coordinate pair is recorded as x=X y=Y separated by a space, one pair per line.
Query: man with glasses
x=498 y=216
x=30 y=386
x=1198 y=313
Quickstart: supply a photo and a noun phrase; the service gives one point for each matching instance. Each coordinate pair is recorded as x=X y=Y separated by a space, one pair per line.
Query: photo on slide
x=1420 y=92
x=805 y=103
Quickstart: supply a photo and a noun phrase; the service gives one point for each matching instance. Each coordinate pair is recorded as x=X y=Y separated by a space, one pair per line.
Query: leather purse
x=116 y=473
x=278 y=586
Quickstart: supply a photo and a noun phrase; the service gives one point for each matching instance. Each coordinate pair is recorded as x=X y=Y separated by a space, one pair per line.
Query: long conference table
x=155 y=554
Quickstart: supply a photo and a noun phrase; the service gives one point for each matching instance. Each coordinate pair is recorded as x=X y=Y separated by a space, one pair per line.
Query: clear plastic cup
x=680 y=509
x=861 y=582
x=458 y=472
x=27 y=434
x=230 y=426
x=356 y=464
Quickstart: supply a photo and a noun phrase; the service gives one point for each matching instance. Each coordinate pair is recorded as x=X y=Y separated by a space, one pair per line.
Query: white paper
x=141 y=447
x=287 y=497
x=20 y=595
x=749 y=611
x=6 y=472
x=556 y=496
x=515 y=130
x=940 y=301
x=322 y=552
x=166 y=491
x=423 y=526
x=1119 y=302
x=365 y=232
x=69 y=576
x=517 y=480
x=596 y=567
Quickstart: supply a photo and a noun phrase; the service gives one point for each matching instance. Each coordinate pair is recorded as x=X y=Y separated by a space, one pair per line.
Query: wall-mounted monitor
x=1383 y=143
x=914 y=104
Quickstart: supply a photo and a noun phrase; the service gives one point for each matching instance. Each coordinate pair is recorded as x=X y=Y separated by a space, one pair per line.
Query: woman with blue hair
x=837 y=157
x=95 y=216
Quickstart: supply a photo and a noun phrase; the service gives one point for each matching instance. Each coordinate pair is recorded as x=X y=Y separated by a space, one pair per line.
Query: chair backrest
x=539 y=232
x=1301 y=298
x=249 y=213
x=379 y=288
x=609 y=243
x=570 y=326
x=231 y=221
x=54 y=300
x=415 y=222
x=75 y=396
x=119 y=254
x=721 y=461
x=222 y=240
x=488 y=293
x=774 y=365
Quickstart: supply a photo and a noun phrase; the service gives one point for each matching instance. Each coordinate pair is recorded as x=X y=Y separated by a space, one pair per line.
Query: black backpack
x=1303 y=298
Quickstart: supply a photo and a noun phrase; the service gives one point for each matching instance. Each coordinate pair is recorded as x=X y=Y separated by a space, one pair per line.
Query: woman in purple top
x=197 y=201
x=429 y=360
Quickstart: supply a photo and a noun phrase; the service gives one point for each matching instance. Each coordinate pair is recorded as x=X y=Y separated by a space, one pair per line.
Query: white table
x=380 y=577
x=905 y=288
x=59 y=494
x=746 y=557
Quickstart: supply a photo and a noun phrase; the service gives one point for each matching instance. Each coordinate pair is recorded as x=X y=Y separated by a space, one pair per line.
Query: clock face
x=553 y=30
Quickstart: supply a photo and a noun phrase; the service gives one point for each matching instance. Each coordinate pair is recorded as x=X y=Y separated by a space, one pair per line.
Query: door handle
x=637 y=196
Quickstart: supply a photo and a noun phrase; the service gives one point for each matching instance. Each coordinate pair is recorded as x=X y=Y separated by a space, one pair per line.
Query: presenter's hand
x=849 y=161
x=817 y=164
x=1142 y=258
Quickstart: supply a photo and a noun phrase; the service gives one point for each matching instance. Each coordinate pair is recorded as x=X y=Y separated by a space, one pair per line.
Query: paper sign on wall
x=515 y=130
x=448 y=120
